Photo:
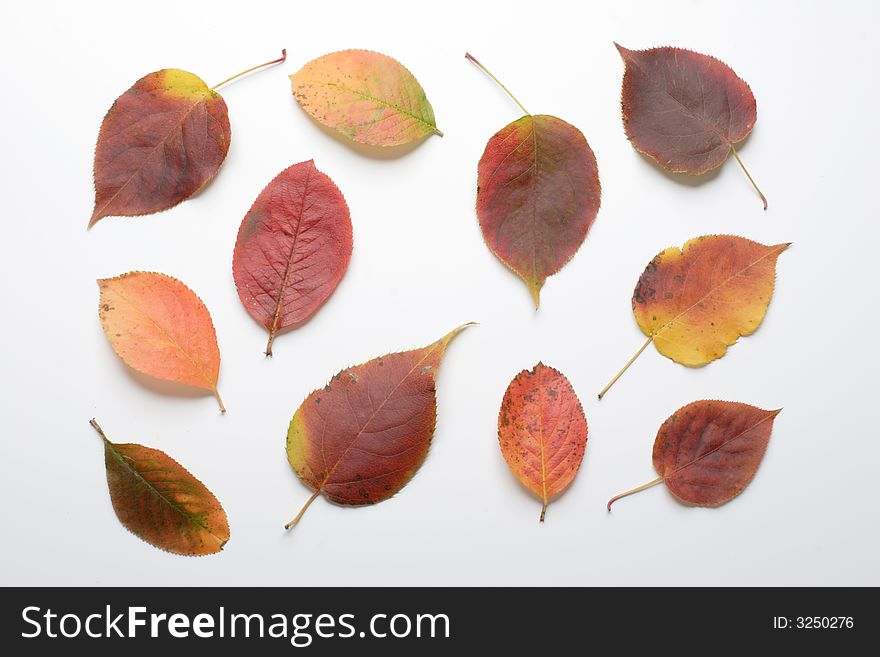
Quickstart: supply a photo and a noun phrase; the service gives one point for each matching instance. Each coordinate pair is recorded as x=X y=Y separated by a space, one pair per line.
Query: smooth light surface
x=420 y=267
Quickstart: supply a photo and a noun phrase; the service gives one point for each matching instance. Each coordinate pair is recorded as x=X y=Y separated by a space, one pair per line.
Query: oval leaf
x=685 y=110
x=158 y=326
x=158 y=500
x=293 y=248
x=370 y=98
x=542 y=431
x=159 y=144
x=708 y=451
x=538 y=193
x=361 y=438
x=696 y=301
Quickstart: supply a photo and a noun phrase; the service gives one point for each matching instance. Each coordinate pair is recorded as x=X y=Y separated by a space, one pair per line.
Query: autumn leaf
x=685 y=110
x=159 y=327
x=293 y=248
x=694 y=302
x=159 y=501
x=368 y=97
x=708 y=451
x=361 y=438
x=542 y=431
x=538 y=193
x=160 y=143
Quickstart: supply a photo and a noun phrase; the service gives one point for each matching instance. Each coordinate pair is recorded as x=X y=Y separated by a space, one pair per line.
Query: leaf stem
x=543 y=512
x=303 y=510
x=497 y=81
x=268 y=351
x=748 y=175
x=625 y=367
x=634 y=490
x=98 y=428
x=252 y=68
x=219 y=400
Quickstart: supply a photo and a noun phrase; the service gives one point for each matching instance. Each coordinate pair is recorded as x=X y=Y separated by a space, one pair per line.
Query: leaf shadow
x=164 y=388
x=364 y=150
x=690 y=179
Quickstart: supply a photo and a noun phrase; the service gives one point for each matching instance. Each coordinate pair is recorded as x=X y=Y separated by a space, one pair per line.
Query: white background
x=420 y=268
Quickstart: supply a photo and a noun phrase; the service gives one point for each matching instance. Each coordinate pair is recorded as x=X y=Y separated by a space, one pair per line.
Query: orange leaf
x=158 y=500
x=158 y=326
x=542 y=431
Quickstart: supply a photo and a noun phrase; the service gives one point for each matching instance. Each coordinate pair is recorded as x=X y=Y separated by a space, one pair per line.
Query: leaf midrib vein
x=372 y=416
x=379 y=101
x=719 y=447
x=285 y=279
x=161 y=144
x=169 y=336
x=773 y=251
x=188 y=516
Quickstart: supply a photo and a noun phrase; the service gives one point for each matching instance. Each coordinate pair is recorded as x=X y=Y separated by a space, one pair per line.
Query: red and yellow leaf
x=542 y=431
x=368 y=97
x=685 y=110
x=694 y=302
x=538 y=193
x=159 y=144
x=293 y=248
x=361 y=438
x=708 y=451
x=158 y=326
x=158 y=500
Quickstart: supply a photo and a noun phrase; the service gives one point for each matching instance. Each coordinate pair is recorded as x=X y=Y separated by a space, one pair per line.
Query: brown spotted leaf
x=158 y=500
x=542 y=431
x=694 y=302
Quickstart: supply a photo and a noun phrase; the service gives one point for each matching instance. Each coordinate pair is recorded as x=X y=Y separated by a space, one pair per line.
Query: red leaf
x=685 y=110
x=538 y=193
x=159 y=144
x=293 y=248
x=362 y=437
x=708 y=451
